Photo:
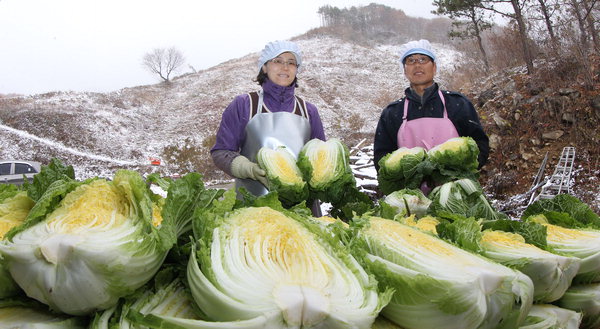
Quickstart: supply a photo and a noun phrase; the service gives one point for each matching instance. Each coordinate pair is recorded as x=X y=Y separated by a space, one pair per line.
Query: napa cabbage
x=583 y=298
x=326 y=168
x=404 y=202
x=564 y=210
x=404 y=168
x=85 y=244
x=164 y=302
x=437 y=284
x=267 y=267
x=551 y=273
x=548 y=316
x=583 y=243
x=454 y=159
x=426 y=224
x=464 y=197
x=283 y=175
x=18 y=316
x=14 y=207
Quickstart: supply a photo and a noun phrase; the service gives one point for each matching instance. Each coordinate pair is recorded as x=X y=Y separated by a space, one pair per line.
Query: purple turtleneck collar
x=278 y=98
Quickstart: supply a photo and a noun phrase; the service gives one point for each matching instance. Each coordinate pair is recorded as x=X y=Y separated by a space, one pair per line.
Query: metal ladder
x=560 y=181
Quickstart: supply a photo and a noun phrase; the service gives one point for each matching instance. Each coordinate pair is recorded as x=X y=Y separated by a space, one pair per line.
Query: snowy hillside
x=98 y=133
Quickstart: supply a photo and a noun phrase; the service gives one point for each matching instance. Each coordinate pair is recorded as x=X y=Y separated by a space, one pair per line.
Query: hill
x=350 y=83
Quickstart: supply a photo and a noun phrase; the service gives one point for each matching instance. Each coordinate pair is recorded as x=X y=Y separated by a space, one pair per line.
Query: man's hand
x=241 y=167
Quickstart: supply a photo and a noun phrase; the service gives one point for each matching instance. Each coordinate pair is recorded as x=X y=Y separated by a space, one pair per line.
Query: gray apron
x=267 y=129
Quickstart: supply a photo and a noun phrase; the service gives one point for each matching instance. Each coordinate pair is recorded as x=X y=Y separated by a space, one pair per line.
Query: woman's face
x=282 y=69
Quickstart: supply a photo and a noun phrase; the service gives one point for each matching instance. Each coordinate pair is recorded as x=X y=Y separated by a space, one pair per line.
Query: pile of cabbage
x=408 y=168
x=115 y=253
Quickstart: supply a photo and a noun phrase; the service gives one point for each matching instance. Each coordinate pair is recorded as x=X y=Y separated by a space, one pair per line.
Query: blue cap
x=416 y=47
x=276 y=48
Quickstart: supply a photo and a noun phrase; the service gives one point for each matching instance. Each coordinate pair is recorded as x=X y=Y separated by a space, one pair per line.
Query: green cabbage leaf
x=454 y=159
x=404 y=168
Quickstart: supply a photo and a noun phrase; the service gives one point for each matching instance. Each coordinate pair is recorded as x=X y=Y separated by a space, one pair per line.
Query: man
x=426 y=116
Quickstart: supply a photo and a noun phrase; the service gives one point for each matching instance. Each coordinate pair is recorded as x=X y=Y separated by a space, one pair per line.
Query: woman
x=271 y=117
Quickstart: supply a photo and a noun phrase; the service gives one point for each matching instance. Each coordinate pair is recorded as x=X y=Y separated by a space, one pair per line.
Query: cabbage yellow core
x=508 y=239
x=96 y=205
x=323 y=165
x=275 y=262
x=427 y=223
x=453 y=144
x=278 y=240
x=558 y=233
x=394 y=232
x=13 y=212
x=286 y=171
x=400 y=153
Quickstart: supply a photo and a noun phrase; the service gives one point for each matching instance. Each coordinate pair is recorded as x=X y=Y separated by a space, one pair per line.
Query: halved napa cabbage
x=14 y=208
x=583 y=298
x=518 y=245
x=326 y=168
x=272 y=268
x=551 y=274
x=86 y=244
x=404 y=202
x=463 y=197
x=583 y=243
x=545 y=316
x=439 y=285
x=283 y=174
x=30 y=317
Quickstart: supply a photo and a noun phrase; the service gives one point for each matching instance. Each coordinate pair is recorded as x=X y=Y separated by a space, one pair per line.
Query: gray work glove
x=241 y=167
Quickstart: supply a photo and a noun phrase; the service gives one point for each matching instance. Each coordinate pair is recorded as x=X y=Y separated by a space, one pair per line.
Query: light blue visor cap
x=418 y=51
x=276 y=48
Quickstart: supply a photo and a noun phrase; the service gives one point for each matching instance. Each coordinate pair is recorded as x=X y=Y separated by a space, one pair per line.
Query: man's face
x=419 y=70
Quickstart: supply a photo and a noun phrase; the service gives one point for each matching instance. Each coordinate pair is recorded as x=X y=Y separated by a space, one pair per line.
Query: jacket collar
x=429 y=93
x=278 y=94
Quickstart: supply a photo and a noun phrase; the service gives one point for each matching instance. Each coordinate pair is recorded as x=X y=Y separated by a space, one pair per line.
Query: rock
x=495 y=140
x=568 y=92
x=536 y=142
x=553 y=135
x=568 y=117
x=486 y=95
x=527 y=156
x=500 y=122
x=596 y=103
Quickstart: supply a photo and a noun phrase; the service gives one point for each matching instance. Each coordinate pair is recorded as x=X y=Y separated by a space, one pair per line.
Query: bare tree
x=163 y=61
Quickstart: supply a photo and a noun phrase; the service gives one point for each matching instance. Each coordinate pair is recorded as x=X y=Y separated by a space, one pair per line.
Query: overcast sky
x=85 y=45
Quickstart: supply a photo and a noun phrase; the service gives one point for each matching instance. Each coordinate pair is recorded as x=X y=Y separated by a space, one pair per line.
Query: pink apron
x=425 y=132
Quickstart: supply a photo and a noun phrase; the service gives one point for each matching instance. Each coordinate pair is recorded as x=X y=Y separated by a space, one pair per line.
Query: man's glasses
x=282 y=62
x=415 y=60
